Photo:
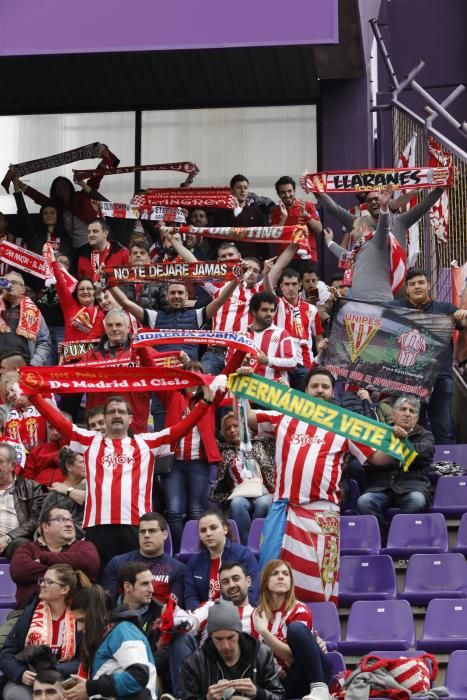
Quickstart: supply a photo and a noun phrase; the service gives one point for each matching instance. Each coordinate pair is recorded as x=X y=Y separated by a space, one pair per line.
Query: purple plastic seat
x=456 y=677
x=337 y=662
x=190 y=543
x=168 y=545
x=366 y=577
x=461 y=544
x=450 y=496
x=421 y=533
x=445 y=627
x=254 y=536
x=431 y=576
x=378 y=624
x=7 y=588
x=451 y=453
x=359 y=534
x=326 y=623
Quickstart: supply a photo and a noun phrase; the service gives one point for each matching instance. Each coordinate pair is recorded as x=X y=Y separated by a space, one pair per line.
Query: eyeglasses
x=61 y=519
x=42 y=581
x=16 y=283
x=151 y=531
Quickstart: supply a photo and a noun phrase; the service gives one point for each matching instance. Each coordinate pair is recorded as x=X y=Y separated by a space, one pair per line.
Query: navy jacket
x=198 y=568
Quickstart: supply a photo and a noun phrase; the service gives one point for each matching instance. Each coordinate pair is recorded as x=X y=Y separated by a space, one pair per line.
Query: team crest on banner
x=392 y=348
x=361 y=331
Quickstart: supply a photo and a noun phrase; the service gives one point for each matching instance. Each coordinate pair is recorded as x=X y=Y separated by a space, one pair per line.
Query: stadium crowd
x=96 y=489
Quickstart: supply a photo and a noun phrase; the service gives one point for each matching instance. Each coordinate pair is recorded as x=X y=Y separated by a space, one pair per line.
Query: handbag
x=413 y=673
x=250 y=488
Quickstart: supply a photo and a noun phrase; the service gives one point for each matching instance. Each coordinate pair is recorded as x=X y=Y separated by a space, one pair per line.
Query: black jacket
x=205 y=667
x=391 y=476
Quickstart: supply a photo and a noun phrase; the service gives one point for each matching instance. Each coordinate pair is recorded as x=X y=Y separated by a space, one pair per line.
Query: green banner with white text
x=322 y=414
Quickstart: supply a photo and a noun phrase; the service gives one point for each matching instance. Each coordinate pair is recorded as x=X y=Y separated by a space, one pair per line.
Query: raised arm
x=225 y=293
x=336 y=210
x=52 y=415
x=413 y=215
x=65 y=297
x=177 y=244
x=334 y=247
x=27 y=227
x=284 y=259
x=125 y=303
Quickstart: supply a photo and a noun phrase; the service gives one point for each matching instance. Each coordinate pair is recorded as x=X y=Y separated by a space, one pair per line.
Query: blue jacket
x=123 y=664
x=198 y=568
x=14 y=643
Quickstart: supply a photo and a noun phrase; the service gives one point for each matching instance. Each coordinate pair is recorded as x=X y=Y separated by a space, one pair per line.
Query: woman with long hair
x=23 y=423
x=202 y=571
x=46 y=620
x=115 y=642
x=285 y=625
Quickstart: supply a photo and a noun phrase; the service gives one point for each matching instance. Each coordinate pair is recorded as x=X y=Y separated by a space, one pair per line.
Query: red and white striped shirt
x=191 y=446
x=234 y=314
x=245 y=613
x=308 y=459
x=119 y=474
x=28 y=427
x=278 y=346
x=303 y=323
x=278 y=624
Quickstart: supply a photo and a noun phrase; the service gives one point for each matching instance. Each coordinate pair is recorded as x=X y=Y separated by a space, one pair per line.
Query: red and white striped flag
x=439 y=212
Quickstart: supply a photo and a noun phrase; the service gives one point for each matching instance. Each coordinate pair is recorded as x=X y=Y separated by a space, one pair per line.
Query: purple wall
x=433 y=30
x=61 y=26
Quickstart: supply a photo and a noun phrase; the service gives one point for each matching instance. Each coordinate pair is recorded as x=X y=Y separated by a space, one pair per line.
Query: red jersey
x=278 y=346
x=119 y=474
x=234 y=314
x=90 y=262
x=279 y=622
x=27 y=427
x=294 y=216
x=81 y=322
x=308 y=459
x=303 y=323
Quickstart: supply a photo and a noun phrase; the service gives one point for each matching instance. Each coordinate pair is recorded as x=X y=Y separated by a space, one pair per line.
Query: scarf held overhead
x=256 y=234
x=69 y=379
x=91 y=150
x=33 y=263
x=322 y=414
x=191 y=169
x=336 y=181
x=116 y=210
x=236 y=341
x=189 y=197
x=161 y=272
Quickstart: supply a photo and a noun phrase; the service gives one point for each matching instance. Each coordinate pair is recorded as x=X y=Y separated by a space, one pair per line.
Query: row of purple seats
x=388 y=625
x=7 y=588
x=428 y=576
x=190 y=543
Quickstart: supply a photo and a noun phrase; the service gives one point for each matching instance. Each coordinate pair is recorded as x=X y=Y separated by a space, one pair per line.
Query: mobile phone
x=69 y=683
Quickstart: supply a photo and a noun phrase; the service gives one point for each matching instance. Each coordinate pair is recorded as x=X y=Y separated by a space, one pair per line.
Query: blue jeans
x=440 y=412
x=213 y=362
x=297 y=377
x=181 y=646
x=186 y=491
x=244 y=510
x=310 y=665
x=376 y=502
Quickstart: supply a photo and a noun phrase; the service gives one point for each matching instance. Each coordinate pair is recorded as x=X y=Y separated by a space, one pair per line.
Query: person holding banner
x=389 y=486
x=303 y=524
x=119 y=469
x=375 y=264
x=22 y=326
x=99 y=251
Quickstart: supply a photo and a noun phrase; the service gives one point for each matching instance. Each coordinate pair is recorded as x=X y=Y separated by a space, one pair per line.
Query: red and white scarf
x=29 y=319
x=397 y=261
x=337 y=181
x=206 y=197
x=41 y=631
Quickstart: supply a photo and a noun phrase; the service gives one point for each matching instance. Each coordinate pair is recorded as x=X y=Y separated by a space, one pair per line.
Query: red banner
x=336 y=181
x=255 y=234
x=161 y=272
x=189 y=197
x=23 y=259
x=74 y=378
x=116 y=210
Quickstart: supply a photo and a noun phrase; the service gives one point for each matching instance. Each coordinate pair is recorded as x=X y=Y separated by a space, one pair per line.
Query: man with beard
x=234 y=583
x=276 y=354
